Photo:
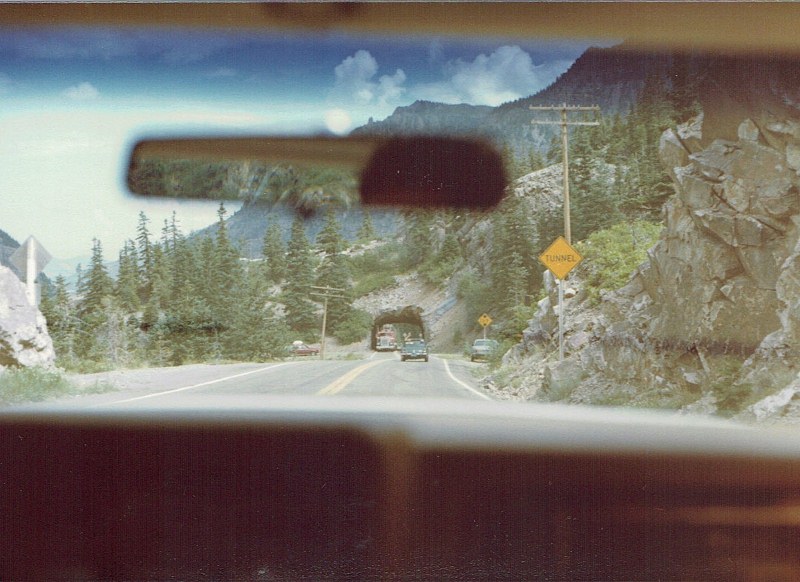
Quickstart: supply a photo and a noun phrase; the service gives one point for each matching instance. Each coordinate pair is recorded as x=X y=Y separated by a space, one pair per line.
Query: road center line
x=201 y=384
x=464 y=384
x=340 y=383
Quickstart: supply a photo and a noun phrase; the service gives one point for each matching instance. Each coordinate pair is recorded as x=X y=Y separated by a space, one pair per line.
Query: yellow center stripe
x=339 y=384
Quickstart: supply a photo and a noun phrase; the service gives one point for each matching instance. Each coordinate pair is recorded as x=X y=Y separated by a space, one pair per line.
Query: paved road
x=378 y=375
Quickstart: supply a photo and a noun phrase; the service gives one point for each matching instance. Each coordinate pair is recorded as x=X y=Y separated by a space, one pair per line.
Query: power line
x=563 y=122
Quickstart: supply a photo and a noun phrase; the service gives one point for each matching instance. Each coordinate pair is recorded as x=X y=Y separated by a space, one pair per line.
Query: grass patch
x=33 y=385
x=18 y=385
x=373 y=282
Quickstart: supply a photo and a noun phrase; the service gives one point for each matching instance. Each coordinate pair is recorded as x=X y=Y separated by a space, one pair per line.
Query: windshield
x=667 y=280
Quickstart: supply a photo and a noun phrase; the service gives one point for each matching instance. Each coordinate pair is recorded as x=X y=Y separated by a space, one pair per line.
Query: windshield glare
x=669 y=283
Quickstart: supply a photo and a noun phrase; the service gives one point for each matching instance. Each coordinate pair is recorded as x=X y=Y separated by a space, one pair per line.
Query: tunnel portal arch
x=408 y=315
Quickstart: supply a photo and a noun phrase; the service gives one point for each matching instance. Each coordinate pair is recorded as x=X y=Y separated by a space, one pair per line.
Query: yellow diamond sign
x=560 y=257
x=484 y=320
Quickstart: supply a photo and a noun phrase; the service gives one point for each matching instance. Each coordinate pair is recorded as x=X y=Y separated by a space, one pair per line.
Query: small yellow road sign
x=560 y=257
x=484 y=320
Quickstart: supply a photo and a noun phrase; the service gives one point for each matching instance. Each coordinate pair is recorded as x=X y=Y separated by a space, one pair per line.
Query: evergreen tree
x=274 y=253
x=96 y=285
x=329 y=239
x=62 y=325
x=224 y=276
x=513 y=171
x=226 y=258
x=515 y=270
x=554 y=154
x=145 y=253
x=300 y=311
x=367 y=231
x=95 y=294
x=333 y=271
x=536 y=160
x=682 y=95
x=595 y=207
x=126 y=289
x=418 y=241
x=255 y=333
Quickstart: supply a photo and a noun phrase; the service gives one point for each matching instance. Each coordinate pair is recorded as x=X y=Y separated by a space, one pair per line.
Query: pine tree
x=62 y=325
x=418 y=241
x=226 y=257
x=535 y=160
x=333 y=271
x=274 y=253
x=300 y=311
x=515 y=270
x=255 y=333
x=366 y=232
x=95 y=293
x=96 y=285
x=509 y=157
x=126 y=289
x=554 y=153
x=145 y=253
x=227 y=271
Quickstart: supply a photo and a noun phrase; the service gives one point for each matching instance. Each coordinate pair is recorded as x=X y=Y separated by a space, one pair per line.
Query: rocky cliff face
x=24 y=340
x=712 y=320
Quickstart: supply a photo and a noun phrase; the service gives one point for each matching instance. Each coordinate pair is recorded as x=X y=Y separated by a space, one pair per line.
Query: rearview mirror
x=414 y=172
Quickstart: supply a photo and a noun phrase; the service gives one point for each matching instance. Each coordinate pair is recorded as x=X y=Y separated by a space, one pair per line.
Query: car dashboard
x=342 y=489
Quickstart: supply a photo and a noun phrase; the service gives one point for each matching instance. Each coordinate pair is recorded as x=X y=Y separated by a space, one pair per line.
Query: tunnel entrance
x=406 y=322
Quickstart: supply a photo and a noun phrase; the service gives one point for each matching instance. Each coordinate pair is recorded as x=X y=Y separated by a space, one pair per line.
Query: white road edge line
x=467 y=386
x=154 y=394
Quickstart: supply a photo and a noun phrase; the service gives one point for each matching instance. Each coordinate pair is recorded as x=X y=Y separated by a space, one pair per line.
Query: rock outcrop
x=713 y=316
x=24 y=340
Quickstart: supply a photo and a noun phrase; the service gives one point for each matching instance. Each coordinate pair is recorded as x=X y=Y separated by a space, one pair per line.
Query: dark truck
x=415 y=349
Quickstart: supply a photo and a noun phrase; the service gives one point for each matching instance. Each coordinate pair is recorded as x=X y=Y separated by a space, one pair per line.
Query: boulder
x=24 y=340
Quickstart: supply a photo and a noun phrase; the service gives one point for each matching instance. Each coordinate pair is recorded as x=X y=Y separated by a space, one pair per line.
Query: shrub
x=610 y=256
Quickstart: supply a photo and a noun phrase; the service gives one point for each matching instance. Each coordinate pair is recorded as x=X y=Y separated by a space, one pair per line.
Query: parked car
x=303 y=349
x=415 y=349
x=482 y=349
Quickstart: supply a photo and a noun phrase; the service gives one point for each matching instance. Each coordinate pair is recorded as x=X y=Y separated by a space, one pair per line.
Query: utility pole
x=564 y=123
x=326 y=293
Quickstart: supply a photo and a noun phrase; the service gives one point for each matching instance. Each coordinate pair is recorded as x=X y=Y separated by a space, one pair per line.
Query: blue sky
x=72 y=101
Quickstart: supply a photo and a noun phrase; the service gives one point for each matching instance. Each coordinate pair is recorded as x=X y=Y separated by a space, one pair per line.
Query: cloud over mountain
x=506 y=74
x=355 y=80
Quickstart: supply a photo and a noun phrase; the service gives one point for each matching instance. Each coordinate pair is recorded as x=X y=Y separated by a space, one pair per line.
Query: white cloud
x=82 y=92
x=355 y=82
x=506 y=74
